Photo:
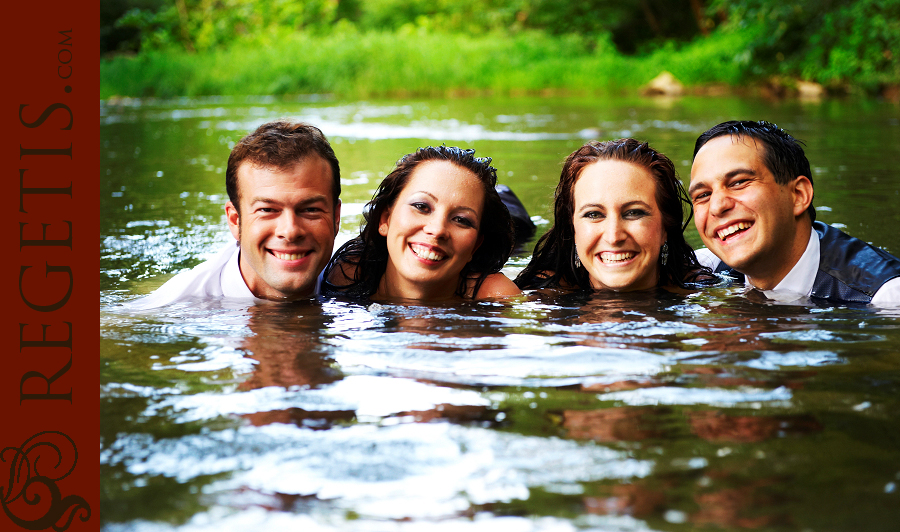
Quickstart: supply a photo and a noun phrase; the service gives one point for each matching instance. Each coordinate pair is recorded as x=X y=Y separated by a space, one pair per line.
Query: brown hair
x=280 y=144
x=554 y=252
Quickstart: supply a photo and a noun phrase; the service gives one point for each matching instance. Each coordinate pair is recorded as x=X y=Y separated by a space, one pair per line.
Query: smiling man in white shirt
x=283 y=184
x=752 y=191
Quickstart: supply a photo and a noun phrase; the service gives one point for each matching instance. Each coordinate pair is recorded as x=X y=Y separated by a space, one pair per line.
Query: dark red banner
x=49 y=385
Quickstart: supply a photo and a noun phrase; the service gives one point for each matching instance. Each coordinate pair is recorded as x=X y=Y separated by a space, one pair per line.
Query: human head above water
x=782 y=154
x=280 y=145
x=670 y=198
x=495 y=226
x=283 y=182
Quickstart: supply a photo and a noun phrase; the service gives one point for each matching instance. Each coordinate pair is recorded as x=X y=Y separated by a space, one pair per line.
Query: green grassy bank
x=356 y=64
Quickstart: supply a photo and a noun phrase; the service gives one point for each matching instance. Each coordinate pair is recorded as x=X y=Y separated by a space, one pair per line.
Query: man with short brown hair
x=283 y=184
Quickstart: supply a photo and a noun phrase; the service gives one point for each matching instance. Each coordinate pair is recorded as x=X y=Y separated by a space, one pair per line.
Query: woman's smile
x=618 y=225
x=427 y=253
x=432 y=231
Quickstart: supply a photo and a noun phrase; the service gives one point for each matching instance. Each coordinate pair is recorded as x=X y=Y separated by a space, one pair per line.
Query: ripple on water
x=821 y=335
x=369 y=396
x=400 y=471
x=668 y=395
x=510 y=361
x=219 y=519
x=771 y=360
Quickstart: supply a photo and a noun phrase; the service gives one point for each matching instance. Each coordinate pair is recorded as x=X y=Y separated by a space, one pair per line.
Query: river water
x=566 y=412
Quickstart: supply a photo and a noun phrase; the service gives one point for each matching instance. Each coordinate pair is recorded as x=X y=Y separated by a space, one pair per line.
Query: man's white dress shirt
x=798 y=283
x=219 y=277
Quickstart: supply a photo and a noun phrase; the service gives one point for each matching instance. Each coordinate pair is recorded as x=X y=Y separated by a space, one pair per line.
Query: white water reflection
x=406 y=470
x=440 y=131
x=371 y=121
x=666 y=395
x=221 y=519
x=368 y=396
x=535 y=361
x=770 y=360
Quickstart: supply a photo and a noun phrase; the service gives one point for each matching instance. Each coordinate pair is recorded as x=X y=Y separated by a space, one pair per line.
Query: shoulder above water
x=497 y=285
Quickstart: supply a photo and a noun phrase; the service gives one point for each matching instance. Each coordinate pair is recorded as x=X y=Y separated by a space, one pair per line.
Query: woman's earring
x=664 y=253
x=577 y=260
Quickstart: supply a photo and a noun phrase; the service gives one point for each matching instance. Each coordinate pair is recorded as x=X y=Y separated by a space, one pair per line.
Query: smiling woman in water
x=436 y=229
x=619 y=224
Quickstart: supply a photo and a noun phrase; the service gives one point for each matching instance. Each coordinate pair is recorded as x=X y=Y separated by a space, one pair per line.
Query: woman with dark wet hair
x=619 y=224
x=436 y=229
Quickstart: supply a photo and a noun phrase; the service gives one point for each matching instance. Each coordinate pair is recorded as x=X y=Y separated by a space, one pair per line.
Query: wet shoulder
x=495 y=285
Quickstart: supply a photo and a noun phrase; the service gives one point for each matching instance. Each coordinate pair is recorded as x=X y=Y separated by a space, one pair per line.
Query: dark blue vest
x=850 y=270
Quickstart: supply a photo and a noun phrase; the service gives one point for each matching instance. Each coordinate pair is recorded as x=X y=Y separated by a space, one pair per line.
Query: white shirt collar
x=233 y=284
x=799 y=281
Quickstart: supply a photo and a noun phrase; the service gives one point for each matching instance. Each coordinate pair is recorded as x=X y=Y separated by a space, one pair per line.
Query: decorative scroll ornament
x=31 y=498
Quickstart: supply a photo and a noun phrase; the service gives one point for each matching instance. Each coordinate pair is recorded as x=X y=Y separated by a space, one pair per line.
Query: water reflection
x=715 y=426
x=284 y=352
x=617 y=424
x=558 y=412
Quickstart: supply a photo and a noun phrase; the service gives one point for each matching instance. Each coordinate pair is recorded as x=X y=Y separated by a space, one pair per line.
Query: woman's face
x=618 y=225
x=432 y=231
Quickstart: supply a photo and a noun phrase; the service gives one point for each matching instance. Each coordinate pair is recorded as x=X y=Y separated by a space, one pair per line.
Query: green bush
x=834 y=43
x=444 y=46
x=411 y=62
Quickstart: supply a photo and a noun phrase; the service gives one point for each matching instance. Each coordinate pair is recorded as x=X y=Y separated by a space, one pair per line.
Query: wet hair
x=367 y=254
x=280 y=144
x=553 y=262
x=782 y=154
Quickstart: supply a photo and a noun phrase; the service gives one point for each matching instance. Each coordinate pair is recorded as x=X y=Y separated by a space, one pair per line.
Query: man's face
x=743 y=216
x=286 y=226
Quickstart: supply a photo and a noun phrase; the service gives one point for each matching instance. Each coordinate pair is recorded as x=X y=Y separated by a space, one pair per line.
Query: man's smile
x=289 y=256
x=732 y=229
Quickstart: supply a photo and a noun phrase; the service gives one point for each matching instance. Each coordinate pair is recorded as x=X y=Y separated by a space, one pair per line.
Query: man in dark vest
x=752 y=191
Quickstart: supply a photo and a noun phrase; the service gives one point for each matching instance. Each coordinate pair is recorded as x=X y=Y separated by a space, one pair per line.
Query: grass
x=371 y=64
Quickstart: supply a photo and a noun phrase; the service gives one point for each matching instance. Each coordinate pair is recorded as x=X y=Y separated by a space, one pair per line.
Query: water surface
x=554 y=412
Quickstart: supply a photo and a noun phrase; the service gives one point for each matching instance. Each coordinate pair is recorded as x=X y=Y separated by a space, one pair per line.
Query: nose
x=613 y=230
x=719 y=203
x=436 y=227
x=290 y=226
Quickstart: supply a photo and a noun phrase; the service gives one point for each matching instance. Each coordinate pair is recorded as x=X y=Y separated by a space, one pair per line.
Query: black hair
x=782 y=154
x=366 y=256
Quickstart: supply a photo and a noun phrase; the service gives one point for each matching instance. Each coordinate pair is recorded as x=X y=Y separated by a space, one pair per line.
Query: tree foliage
x=634 y=26
x=205 y=24
x=830 y=41
x=116 y=37
x=201 y=25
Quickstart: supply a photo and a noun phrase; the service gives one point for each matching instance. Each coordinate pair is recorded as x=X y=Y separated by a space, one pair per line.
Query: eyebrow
x=727 y=175
x=429 y=194
x=624 y=205
x=432 y=196
x=308 y=201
